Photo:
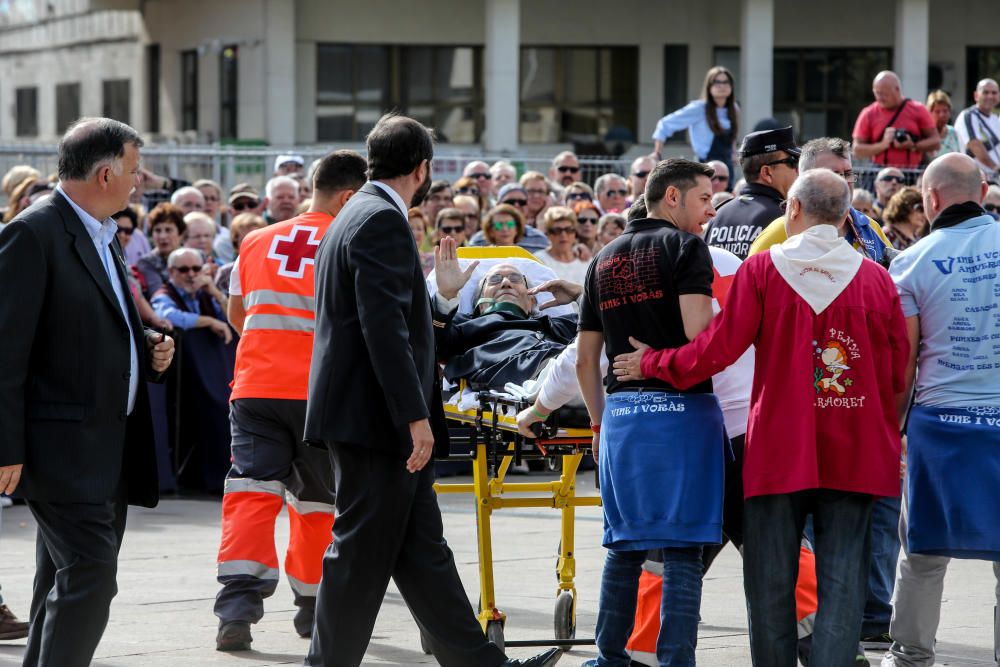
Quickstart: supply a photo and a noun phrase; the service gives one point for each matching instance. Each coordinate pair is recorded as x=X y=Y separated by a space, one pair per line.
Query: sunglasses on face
x=558 y=231
x=893 y=179
x=512 y=278
x=992 y=208
x=126 y=230
x=721 y=82
x=641 y=174
x=244 y=204
x=452 y=230
x=790 y=162
x=515 y=202
x=468 y=191
x=566 y=169
x=587 y=221
x=578 y=196
x=500 y=225
x=479 y=175
x=188 y=269
x=612 y=193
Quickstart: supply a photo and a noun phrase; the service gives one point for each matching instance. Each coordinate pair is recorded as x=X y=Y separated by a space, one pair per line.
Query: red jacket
x=822 y=405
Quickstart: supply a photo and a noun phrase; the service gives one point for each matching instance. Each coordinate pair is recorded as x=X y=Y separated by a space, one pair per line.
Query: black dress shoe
x=233 y=636
x=544 y=659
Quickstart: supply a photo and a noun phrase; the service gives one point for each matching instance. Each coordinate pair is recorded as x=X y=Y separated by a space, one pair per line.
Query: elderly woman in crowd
x=470 y=188
x=577 y=192
x=469 y=206
x=239 y=228
x=128 y=223
x=611 y=226
x=503 y=225
x=939 y=104
x=166 y=223
x=588 y=217
x=559 y=224
x=537 y=189
x=903 y=219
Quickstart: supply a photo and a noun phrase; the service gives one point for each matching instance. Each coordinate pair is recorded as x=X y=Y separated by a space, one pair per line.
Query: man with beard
x=373 y=397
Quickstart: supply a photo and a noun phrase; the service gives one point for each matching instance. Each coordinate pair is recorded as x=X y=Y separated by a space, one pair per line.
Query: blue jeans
x=772 y=529
x=681 y=603
x=882 y=572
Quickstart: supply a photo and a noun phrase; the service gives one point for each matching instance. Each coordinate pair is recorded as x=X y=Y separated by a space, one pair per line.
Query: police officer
x=769 y=160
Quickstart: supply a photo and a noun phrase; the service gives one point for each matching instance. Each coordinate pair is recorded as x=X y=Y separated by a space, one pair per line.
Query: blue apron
x=661 y=468
x=953 y=482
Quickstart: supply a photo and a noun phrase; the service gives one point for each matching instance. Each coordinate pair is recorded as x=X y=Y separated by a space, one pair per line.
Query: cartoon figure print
x=832 y=359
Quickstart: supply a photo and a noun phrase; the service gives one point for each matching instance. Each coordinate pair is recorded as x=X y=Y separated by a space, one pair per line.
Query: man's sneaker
x=233 y=636
x=878 y=642
x=303 y=622
x=10 y=627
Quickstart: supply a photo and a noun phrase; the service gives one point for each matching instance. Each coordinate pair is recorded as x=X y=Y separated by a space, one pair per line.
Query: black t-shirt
x=741 y=220
x=632 y=289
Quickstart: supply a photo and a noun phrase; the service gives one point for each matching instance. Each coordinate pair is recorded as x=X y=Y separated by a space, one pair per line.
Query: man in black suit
x=374 y=402
x=77 y=440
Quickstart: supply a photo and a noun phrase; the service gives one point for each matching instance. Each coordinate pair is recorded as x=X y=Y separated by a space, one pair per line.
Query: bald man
x=978 y=128
x=948 y=287
x=894 y=130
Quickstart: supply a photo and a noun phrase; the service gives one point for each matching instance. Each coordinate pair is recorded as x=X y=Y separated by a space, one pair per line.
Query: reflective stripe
x=302 y=588
x=307 y=506
x=267 y=297
x=643 y=658
x=247 y=568
x=245 y=484
x=279 y=322
x=805 y=626
x=653 y=567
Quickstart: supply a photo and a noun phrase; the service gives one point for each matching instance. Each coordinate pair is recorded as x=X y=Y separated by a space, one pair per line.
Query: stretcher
x=486 y=434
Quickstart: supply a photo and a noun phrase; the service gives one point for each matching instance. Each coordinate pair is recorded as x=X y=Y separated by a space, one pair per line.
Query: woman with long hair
x=904 y=222
x=712 y=121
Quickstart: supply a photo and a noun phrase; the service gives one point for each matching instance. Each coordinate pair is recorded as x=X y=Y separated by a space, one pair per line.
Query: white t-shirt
x=235 y=289
x=575 y=271
x=985 y=128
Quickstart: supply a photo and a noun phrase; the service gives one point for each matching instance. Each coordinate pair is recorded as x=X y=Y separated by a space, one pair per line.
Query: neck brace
x=500 y=307
x=817 y=264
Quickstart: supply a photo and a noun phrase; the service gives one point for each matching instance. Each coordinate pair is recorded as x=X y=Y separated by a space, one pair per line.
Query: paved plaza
x=163 y=612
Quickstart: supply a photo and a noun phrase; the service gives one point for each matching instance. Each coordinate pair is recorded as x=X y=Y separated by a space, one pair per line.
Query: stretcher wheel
x=424 y=645
x=494 y=632
x=565 y=621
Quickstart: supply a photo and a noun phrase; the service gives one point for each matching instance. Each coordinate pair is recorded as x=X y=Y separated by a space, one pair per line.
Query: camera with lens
x=902 y=136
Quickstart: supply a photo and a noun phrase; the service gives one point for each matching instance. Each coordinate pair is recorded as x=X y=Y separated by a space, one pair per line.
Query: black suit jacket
x=373 y=365
x=64 y=355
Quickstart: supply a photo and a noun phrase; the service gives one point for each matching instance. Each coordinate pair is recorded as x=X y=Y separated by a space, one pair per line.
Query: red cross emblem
x=720 y=287
x=295 y=250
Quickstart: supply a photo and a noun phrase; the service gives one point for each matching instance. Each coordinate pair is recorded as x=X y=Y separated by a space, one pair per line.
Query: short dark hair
x=166 y=213
x=91 y=142
x=637 y=211
x=439 y=185
x=678 y=172
x=752 y=164
x=396 y=146
x=340 y=170
x=128 y=212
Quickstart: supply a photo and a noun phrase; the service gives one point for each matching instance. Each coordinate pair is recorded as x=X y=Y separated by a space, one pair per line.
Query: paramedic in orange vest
x=271 y=306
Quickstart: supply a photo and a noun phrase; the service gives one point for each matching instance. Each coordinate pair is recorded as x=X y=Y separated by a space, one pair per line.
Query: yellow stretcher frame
x=495 y=438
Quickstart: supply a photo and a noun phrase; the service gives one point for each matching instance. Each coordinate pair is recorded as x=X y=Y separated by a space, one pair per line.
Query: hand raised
x=562 y=291
x=447 y=270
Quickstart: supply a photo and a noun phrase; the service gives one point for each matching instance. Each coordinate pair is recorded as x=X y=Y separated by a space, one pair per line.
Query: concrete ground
x=163 y=613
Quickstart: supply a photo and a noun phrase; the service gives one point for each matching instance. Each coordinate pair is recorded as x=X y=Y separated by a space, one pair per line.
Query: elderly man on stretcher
x=506 y=337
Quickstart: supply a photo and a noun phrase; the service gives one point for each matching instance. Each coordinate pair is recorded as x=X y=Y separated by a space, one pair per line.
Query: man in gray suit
x=374 y=402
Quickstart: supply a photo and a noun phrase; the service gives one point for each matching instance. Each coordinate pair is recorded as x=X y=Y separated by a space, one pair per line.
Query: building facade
x=503 y=76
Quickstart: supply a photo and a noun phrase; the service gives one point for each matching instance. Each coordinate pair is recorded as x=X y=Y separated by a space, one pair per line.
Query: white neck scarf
x=817 y=264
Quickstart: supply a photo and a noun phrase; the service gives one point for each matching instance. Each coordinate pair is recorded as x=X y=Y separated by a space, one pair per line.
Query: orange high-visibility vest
x=276 y=279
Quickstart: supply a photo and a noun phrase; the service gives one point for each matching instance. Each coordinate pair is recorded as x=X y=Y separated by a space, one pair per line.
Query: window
x=228 y=87
x=675 y=81
x=439 y=86
x=67 y=105
x=116 y=100
x=153 y=87
x=579 y=94
x=981 y=62
x=189 y=90
x=26 y=100
x=820 y=92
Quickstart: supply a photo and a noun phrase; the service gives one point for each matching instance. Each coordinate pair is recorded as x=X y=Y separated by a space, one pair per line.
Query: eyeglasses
x=479 y=175
x=641 y=174
x=720 y=179
x=452 y=230
x=721 y=82
x=244 y=204
x=612 y=193
x=126 y=230
x=992 y=208
x=468 y=191
x=846 y=175
x=587 y=221
x=187 y=269
x=790 y=162
x=557 y=231
x=566 y=169
x=537 y=192
x=500 y=225
x=579 y=196
x=515 y=202
x=893 y=179
x=512 y=278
